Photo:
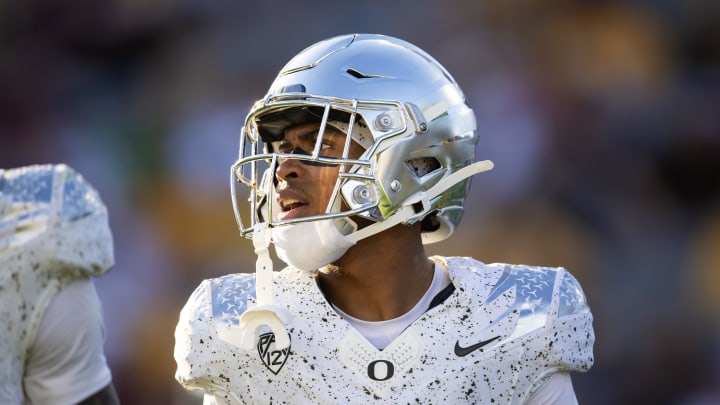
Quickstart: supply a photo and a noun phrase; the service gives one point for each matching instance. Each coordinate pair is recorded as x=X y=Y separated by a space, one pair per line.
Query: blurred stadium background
x=603 y=119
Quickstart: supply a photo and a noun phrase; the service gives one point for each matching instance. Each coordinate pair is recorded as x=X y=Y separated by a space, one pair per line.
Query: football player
x=54 y=236
x=359 y=155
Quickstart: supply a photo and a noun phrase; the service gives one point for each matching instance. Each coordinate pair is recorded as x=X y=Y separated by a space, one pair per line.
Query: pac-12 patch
x=273 y=358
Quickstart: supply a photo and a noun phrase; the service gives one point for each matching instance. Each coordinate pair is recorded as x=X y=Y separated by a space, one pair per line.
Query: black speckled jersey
x=501 y=333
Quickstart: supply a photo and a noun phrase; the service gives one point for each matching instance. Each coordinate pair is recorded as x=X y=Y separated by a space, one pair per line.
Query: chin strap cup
x=265 y=313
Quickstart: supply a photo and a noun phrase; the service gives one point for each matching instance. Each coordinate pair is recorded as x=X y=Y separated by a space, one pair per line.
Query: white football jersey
x=494 y=336
x=53 y=230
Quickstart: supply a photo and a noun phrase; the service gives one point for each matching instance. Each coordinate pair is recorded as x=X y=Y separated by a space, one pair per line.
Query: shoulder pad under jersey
x=571 y=296
x=51 y=214
x=229 y=297
x=539 y=290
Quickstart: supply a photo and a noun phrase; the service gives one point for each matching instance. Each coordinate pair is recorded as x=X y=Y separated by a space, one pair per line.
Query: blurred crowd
x=602 y=117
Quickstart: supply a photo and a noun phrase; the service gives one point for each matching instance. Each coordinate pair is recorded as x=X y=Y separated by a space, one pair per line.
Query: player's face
x=303 y=189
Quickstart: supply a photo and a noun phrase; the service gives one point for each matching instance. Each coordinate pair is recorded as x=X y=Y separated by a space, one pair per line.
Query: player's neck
x=381 y=277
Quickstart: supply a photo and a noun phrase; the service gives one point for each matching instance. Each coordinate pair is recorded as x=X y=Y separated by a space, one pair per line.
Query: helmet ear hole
x=430 y=223
x=423 y=166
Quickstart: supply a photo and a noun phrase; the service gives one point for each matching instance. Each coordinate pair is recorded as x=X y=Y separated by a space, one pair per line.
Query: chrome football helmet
x=399 y=104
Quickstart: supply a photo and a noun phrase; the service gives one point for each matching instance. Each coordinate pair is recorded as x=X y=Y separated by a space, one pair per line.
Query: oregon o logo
x=381 y=370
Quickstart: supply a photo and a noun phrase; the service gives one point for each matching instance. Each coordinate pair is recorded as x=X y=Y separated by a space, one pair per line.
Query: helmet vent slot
x=355 y=73
x=360 y=75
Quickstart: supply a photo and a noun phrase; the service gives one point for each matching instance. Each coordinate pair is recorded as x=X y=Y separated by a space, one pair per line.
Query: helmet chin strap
x=266 y=312
x=407 y=212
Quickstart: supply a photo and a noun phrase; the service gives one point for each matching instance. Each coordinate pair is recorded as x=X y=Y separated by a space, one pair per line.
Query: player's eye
x=326 y=145
x=305 y=145
x=282 y=147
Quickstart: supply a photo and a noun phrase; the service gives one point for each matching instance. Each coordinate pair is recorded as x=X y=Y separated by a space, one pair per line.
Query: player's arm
x=106 y=396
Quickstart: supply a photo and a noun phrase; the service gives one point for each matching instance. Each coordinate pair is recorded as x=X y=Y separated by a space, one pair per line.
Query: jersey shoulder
x=554 y=321
x=552 y=290
x=221 y=299
x=546 y=288
x=542 y=309
x=52 y=213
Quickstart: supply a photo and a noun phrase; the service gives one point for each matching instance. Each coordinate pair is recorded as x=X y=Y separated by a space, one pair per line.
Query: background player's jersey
x=496 y=338
x=53 y=230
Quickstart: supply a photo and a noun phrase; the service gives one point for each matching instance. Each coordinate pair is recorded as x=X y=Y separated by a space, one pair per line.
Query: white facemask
x=311 y=245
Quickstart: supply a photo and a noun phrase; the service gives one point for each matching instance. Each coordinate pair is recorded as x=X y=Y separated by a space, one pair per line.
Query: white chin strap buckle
x=272 y=316
x=265 y=313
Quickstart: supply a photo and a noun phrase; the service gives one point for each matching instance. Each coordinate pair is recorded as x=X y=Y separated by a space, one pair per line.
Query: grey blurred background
x=603 y=119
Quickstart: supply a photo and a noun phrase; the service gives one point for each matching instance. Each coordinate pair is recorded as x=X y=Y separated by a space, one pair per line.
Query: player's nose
x=289 y=168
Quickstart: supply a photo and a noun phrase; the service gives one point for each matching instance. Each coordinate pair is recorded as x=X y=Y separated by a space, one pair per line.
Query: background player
x=54 y=235
x=360 y=154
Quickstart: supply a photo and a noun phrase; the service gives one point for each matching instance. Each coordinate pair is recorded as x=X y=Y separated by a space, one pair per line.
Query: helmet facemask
x=400 y=162
x=355 y=192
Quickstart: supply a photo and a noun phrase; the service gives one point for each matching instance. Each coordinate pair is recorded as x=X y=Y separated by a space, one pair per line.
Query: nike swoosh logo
x=464 y=351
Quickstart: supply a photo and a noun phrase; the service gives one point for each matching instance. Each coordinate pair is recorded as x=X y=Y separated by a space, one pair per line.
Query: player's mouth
x=292 y=208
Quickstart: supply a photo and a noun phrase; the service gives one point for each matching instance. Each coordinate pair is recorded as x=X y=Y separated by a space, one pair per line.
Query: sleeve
x=82 y=231
x=66 y=361
x=573 y=326
x=567 y=343
x=194 y=336
x=205 y=361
